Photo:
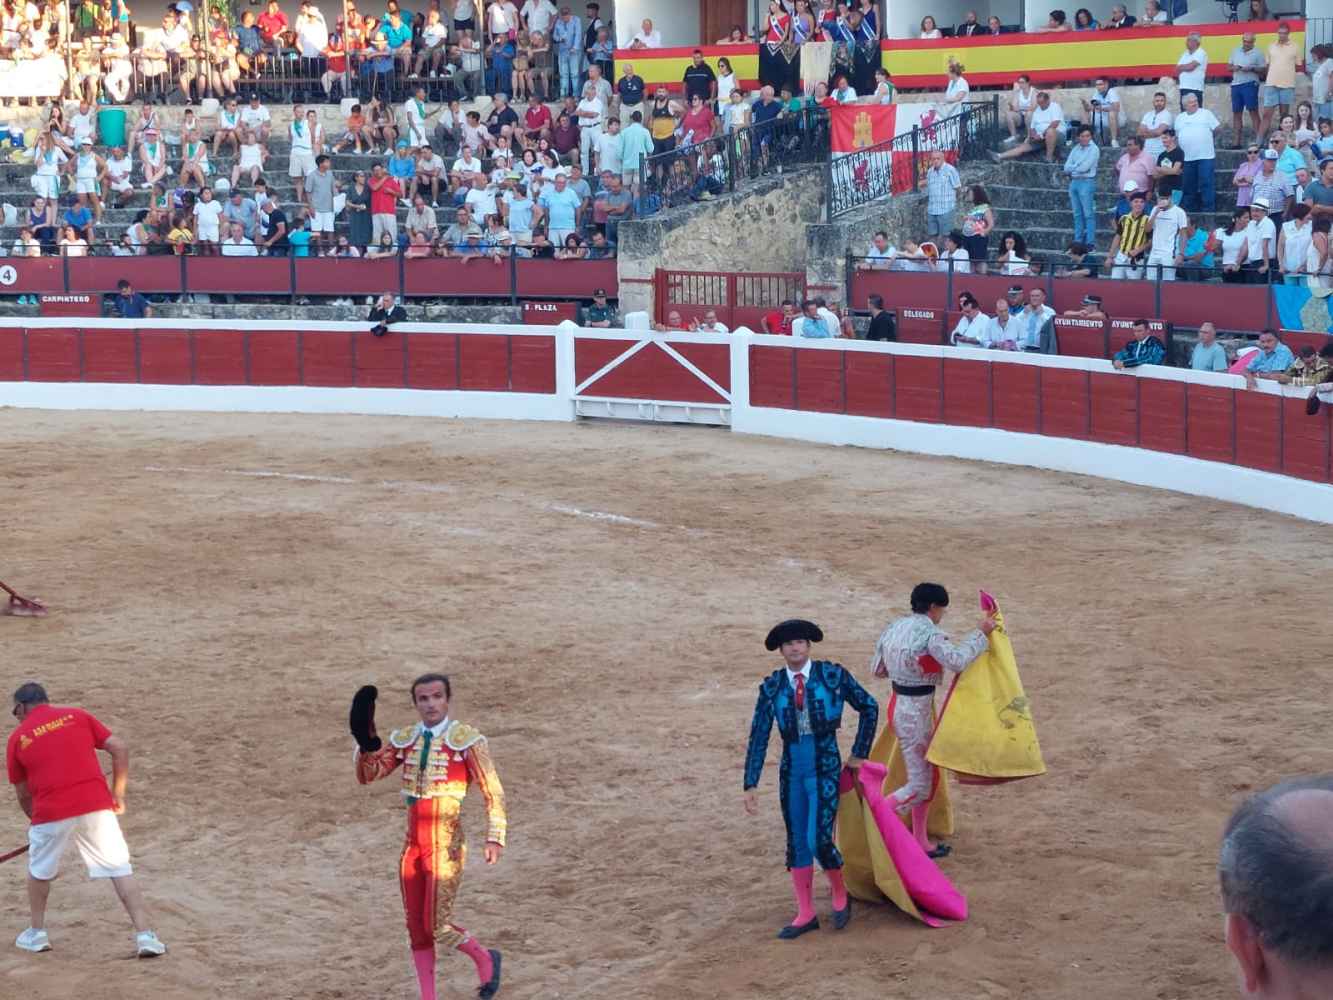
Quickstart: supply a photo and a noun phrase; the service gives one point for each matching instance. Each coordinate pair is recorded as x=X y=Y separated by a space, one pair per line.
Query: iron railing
x=718 y=164
x=899 y=165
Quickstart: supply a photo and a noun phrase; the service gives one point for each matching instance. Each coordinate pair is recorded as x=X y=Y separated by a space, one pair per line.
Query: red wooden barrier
x=331 y=358
x=1254 y=428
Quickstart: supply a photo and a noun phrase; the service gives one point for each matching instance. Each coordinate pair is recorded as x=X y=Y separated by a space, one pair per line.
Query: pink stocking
x=424 y=960
x=803 y=885
x=839 y=889
x=919 y=817
x=480 y=956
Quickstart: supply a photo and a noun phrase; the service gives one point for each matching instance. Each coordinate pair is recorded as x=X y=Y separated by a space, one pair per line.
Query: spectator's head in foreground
x=125 y=287
x=1140 y=329
x=1276 y=872
x=1207 y=334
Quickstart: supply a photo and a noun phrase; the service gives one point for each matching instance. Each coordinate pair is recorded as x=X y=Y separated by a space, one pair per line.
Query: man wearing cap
x=806 y=698
x=1090 y=308
x=913 y=652
x=1272 y=185
x=1260 y=242
x=599 y=314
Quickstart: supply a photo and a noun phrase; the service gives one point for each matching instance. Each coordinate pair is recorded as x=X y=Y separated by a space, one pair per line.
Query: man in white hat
x=1260 y=242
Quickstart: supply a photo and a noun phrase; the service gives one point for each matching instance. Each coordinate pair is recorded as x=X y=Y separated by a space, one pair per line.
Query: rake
x=24 y=606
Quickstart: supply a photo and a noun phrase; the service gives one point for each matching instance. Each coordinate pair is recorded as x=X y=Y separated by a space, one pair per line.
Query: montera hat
x=792 y=628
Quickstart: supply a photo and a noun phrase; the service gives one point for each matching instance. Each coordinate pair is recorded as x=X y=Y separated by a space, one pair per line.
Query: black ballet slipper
x=792 y=931
x=841 y=918
x=492 y=986
x=942 y=850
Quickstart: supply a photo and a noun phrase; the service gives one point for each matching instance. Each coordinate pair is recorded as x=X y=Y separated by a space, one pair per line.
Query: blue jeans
x=803 y=801
x=1198 y=186
x=571 y=63
x=1081 y=190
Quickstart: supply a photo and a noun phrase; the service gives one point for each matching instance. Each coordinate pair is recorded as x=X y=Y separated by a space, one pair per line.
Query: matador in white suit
x=913 y=652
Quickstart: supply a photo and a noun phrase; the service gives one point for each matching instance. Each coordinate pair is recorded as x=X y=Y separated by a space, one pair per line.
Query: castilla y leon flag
x=857 y=126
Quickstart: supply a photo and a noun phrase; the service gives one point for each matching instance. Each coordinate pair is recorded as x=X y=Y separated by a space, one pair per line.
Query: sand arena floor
x=600 y=593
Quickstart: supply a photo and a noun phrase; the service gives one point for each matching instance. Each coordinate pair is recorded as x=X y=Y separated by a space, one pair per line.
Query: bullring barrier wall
x=1195 y=432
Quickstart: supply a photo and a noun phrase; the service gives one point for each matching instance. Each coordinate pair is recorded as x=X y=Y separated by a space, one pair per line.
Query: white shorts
x=85 y=185
x=209 y=233
x=97 y=836
x=321 y=222
x=301 y=164
x=46 y=185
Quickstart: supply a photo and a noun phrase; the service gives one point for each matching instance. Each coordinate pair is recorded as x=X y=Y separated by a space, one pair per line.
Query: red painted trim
x=1059 y=37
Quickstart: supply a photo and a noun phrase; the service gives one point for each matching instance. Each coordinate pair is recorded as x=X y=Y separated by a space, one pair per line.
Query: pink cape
x=907 y=877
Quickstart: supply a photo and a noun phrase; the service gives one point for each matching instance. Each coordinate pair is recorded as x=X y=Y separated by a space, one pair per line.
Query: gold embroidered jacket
x=454 y=761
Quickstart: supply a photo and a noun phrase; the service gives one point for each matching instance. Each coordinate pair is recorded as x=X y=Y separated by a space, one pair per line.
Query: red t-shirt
x=384 y=201
x=537 y=117
x=699 y=122
x=54 y=750
x=778 y=322
x=271 y=24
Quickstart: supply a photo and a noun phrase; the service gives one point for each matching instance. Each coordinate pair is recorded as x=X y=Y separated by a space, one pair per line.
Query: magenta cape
x=882 y=860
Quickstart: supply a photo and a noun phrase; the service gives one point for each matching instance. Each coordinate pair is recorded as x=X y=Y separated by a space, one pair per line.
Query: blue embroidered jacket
x=830 y=688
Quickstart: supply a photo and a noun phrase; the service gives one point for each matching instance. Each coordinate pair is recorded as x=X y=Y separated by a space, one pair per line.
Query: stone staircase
x=1033 y=200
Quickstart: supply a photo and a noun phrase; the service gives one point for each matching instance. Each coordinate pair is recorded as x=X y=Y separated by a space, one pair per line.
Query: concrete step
x=1044 y=176
x=1006 y=198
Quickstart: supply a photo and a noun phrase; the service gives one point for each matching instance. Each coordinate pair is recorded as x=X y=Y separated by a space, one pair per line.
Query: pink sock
x=803 y=885
x=839 y=888
x=920 y=821
x=424 y=960
x=482 y=958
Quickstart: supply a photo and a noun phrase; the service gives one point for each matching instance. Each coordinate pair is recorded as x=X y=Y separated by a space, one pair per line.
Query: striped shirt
x=942 y=185
x=1133 y=232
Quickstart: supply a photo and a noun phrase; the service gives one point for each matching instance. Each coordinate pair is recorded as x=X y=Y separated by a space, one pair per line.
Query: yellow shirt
x=1282 y=64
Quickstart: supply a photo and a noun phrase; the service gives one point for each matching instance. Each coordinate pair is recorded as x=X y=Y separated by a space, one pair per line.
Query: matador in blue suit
x=805 y=697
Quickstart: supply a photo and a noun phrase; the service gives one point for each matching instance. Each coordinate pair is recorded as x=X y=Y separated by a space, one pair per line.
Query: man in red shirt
x=53 y=766
x=272 y=23
x=779 y=323
x=384 y=194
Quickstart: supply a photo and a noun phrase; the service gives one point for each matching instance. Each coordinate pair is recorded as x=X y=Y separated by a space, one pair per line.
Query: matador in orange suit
x=440 y=757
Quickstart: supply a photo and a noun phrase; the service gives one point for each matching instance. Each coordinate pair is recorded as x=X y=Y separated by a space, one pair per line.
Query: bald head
x=1276 y=870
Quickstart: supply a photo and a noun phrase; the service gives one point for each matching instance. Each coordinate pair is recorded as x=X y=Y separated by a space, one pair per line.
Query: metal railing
x=718 y=164
x=899 y=165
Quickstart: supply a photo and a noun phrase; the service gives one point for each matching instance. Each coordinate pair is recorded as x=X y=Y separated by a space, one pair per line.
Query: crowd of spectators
x=1156 y=14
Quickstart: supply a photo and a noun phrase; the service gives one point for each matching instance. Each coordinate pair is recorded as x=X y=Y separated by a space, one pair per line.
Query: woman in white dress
x=49 y=158
x=726 y=82
x=956 y=92
x=194 y=161
x=251 y=159
x=1230 y=241
x=71 y=244
x=929 y=29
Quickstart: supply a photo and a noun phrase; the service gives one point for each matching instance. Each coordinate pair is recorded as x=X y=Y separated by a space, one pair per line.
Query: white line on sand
x=592 y=515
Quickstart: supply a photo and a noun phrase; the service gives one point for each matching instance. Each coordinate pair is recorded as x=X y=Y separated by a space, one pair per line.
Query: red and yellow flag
x=858 y=126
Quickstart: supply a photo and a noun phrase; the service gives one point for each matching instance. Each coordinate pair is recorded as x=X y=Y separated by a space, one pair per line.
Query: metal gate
x=668 y=377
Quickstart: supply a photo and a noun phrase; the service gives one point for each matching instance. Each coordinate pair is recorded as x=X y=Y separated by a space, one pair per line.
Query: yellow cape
x=985 y=733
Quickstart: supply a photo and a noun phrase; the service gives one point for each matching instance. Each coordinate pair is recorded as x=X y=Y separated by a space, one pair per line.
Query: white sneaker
x=148 y=944
x=34 y=940
x=1115 y=144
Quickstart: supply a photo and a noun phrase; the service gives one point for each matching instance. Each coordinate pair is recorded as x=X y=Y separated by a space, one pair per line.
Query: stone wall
x=760 y=228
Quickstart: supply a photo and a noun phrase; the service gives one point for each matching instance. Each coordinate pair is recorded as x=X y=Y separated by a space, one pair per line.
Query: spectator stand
x=718 y=164
x=1180 y=303
x=511 y=278
x=918 y=63
x=898 y=165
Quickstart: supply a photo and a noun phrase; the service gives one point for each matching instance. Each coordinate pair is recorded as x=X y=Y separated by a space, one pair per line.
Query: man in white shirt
x=1153 y=124
x=953 y=251
x=974 y=326
x=710 y=324
x=1191 y=68
x=303 y=150
x=648 y=38
x=1108 y=117
x=1260 y=241
x=83 y=124
x=880 y=255
x=414 y=113
x=312 y=33
x=1165 y=222
x=1195 y=127
x=236 y=245
x=257 y=119
x=590 y=111
x=1248 y=66
x=1005 y=327
x=608 y=146
x=1045 y=125
x=480 y=200
x=465 y=166
x=538 y=15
